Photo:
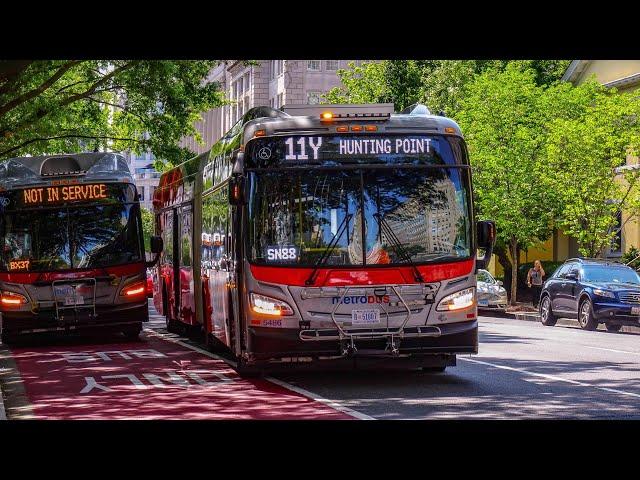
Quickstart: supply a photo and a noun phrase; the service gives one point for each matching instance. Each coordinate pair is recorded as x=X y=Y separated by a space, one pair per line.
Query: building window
x=313 y=65
x=313 y=98
x=280 y=100
x=276 y=68
x=142 y=193
x=332 y=64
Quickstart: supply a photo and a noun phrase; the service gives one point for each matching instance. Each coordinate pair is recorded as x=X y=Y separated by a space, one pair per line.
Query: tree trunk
x=500 y=251
x=514 y=271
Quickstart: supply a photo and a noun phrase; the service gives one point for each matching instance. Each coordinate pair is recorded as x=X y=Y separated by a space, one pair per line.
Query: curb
x=535 y=317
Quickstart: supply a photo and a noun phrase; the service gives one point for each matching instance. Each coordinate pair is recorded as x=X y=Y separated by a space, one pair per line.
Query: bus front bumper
x=272 y=343
x=112 y=316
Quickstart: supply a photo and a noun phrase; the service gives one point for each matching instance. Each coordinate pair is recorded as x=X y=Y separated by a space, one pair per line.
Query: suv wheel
x=585 y=316
x=546 y=315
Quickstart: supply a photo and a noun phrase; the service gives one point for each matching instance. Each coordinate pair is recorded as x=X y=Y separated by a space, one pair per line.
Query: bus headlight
x=457 y=301
x=269 y=306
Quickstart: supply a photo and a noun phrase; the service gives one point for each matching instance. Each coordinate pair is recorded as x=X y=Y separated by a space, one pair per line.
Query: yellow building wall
x=562 y=247
x=609 y=70
x=539 y=251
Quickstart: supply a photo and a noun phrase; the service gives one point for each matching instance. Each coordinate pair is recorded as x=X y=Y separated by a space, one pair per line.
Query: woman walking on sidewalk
x=534 y=280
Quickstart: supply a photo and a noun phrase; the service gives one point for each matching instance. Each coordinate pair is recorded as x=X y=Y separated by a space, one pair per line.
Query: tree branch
x=115 y=105
x=73 y=98
x=10 y=71
x=93 y=88
x=58 y=137
x=25 y=97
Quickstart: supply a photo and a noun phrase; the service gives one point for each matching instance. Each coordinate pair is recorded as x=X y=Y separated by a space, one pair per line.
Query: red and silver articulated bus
x=72 y=245
x=325 y=233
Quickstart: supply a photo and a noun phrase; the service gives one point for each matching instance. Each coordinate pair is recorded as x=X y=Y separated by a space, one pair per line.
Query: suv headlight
x=603 y=293
x=269 y=306
x=457 y=301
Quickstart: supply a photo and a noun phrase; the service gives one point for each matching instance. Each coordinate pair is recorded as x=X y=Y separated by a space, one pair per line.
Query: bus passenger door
x=168 y=268
x=214 y=218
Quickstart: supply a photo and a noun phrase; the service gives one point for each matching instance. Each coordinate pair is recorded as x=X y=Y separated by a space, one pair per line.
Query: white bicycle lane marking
x=336 y=405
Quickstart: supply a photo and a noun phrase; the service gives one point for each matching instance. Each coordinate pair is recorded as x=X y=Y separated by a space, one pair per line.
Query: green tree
x=360 y=84
x=73 y=105
x=503 y=118
x=585 y=150
x=439 y=84
x=148 y=227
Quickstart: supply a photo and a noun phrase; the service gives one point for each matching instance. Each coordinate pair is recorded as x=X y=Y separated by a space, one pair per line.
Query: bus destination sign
x=66 y=193
x=299 y=150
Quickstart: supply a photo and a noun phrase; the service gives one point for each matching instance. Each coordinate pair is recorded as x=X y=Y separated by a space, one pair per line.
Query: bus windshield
x=385 y=215
x=93 y=235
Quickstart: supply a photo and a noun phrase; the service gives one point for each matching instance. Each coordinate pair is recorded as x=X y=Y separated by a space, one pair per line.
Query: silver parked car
x=491 y=294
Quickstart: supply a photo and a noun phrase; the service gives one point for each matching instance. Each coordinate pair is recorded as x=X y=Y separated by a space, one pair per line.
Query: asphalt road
x=523 y=370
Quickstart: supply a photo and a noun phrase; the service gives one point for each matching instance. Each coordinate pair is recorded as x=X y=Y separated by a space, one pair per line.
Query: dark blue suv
x=593 y=291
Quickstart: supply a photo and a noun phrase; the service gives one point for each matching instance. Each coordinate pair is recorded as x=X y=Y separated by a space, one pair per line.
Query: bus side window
x=185 y=236
x=208 y=249
x=168 y=236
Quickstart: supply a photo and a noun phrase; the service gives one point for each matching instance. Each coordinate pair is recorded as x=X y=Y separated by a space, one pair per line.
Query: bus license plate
x=635 y=310
x=77 y=300
x=365 y=317
x=483 y=302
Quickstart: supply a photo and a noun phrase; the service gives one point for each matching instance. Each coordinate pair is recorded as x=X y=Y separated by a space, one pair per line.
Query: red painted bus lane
x=151 y=379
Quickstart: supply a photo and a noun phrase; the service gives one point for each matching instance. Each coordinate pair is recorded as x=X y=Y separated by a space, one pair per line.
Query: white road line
x=331 y=403
x=172 y=339
x=550 y=377
x=612 y=350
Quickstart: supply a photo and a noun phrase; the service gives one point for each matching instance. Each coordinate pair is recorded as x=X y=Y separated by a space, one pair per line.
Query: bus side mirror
x=486 y=235
x=157 y=244
x=237 y=194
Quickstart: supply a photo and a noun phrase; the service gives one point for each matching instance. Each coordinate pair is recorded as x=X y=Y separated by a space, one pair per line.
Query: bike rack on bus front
x=315 y=335
x=73 y=283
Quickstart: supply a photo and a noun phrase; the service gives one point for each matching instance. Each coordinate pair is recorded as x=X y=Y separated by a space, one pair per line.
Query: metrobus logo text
x=361 y=299
x=33 y=196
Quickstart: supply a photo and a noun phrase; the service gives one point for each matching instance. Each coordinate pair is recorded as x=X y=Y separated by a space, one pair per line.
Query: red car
x=149 y=286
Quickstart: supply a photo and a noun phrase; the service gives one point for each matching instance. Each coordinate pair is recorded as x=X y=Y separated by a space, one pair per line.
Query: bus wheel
x=246 y=371
x=7 y=338
x=132 y=332
x=434 y=369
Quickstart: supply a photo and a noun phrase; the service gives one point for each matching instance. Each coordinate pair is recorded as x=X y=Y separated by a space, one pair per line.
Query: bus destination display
x=66 y=193
x=300 y=150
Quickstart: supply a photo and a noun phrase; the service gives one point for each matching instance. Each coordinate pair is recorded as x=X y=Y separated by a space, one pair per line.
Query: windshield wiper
x=404 y=255
x=327 y=251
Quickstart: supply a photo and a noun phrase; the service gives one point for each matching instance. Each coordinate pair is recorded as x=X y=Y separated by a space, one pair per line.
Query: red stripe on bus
x=363 y=276
x=32 y=277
